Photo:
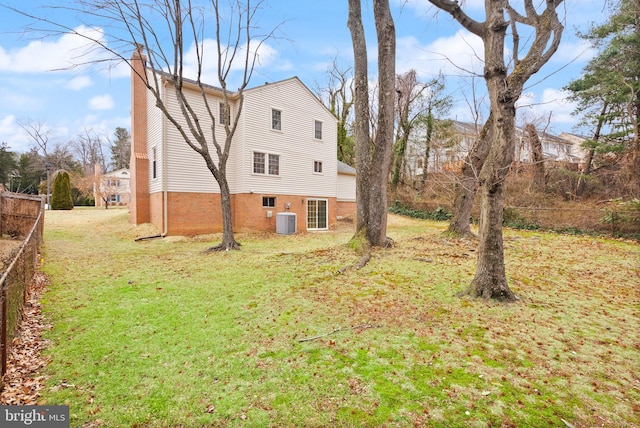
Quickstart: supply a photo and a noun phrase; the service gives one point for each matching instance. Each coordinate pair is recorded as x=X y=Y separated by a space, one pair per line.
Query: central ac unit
x=286 y=223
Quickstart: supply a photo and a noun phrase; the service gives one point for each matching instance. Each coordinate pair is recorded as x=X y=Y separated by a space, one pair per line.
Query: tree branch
x=355 y=327
x=453 y=8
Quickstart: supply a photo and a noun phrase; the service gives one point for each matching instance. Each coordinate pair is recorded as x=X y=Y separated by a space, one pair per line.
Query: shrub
x=61 y=198
x=439 y=214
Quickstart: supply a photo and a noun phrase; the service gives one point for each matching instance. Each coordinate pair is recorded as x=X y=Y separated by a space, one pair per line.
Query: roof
x=117 y=173
x=345 y=169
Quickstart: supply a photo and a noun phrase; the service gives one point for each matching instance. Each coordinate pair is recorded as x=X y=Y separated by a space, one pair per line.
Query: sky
x=39 y=85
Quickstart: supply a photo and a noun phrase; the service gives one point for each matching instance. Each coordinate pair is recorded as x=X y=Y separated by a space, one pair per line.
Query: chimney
x=139 y=209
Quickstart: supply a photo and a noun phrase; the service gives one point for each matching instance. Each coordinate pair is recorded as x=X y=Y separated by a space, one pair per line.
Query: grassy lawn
x=158 y=334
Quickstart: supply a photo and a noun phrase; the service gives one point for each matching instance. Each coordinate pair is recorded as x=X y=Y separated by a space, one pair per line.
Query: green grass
x=159 y=334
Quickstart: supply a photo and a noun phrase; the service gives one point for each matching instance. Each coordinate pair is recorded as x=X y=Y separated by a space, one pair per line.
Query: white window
x=274 y=164
x=276 y=119
x=260 y=165
x=317 y=167
x=154 y=163
x=317 y=214
x=318 y=130
x=269 y=201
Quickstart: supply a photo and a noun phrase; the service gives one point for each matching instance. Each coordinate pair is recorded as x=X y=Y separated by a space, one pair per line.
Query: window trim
x=326 y=214
x=154 y=163
x=315 y=169
x=267 y=157
x=279 y=128
x=315 y=129
x=268 y=199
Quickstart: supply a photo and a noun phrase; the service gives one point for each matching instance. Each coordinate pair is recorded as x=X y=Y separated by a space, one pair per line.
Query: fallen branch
x=355 y=327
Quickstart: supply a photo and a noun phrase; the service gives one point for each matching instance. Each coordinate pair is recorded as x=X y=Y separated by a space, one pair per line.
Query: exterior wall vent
x=286 y=223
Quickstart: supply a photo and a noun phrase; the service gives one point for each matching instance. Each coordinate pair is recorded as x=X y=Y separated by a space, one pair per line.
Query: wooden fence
x=21 y=216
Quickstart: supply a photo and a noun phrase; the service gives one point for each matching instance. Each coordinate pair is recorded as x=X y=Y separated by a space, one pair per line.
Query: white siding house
x=282 y=159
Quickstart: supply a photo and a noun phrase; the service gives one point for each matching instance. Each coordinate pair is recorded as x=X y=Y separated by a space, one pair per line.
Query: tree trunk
x=383 y=145
x=465 y=188
x=373 y=158
x=535 y=145
x=361 y=111
x=490 y=280
x=589 y=160
x=228 y=240
x=427 y=148
x=398 y=161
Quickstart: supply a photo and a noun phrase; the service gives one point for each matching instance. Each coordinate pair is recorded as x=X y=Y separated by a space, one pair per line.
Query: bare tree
x=39 y=133
x=373 y=155
x=161 y=32
x=88 y=147
x=338 y=95
x=505 y=83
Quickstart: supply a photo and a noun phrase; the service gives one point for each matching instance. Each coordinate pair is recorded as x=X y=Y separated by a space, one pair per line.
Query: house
x=448 y=152
x=112 y=188
x=282 y=160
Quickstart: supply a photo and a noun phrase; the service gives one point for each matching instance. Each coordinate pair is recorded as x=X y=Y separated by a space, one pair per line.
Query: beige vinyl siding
x=154 y=140
x=295 y=143
x=186 y=169
x=346 y=187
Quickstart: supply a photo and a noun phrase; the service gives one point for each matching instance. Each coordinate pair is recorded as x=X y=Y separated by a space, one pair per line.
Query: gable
x=291 y=81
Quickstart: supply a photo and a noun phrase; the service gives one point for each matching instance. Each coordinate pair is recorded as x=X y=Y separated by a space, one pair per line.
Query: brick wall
x=200 y=213
x=345 y=209
x=139 y=164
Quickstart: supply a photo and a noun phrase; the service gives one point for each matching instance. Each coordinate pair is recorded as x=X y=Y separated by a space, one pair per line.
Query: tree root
x=467 y=234
x=365 y=248
x=223 y=246
x=490 y=292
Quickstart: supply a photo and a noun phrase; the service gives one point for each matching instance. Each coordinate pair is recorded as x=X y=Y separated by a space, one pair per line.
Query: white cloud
x=78 y=83
x=460 y=54
x=63 y=53
x=576 y=50
x=101 y=102
x=266 y=56
x=13 y=135
x=551 y=102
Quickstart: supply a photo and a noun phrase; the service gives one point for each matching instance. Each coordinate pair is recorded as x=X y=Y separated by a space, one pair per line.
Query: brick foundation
x=200 y=213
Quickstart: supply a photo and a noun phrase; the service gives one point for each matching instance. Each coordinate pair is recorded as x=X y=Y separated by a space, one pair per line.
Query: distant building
x=112 y=188
x=448 y=151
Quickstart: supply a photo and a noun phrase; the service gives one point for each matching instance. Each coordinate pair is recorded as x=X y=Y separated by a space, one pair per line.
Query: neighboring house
x=112 y=188
x=282 y=160
x=450 y=153
x=554 y=149
x=577 y=149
